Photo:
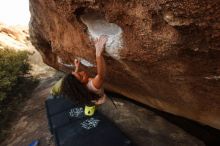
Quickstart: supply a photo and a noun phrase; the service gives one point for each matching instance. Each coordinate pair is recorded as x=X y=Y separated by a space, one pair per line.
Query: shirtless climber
x=79 y=87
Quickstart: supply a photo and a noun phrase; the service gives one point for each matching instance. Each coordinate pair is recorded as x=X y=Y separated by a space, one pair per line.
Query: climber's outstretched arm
x=101 y=67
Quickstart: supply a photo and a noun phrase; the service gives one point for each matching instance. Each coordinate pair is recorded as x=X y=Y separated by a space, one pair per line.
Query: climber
x=79 y=87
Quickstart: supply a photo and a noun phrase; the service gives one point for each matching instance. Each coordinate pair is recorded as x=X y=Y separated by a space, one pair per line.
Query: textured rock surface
x=170 y=57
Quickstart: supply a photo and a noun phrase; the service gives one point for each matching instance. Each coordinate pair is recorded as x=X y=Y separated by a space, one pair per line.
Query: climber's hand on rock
x=99 y=44
x=77 y=64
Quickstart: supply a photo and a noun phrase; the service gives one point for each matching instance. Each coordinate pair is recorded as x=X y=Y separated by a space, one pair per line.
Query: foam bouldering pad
x=71 y=127
x=61 y=111
x=57 y=105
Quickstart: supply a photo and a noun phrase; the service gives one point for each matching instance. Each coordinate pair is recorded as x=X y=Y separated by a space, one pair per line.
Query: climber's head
x=76 y=91
x=82 y=76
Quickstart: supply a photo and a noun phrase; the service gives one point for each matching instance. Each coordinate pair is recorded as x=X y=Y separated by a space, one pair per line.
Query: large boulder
x=163 y=53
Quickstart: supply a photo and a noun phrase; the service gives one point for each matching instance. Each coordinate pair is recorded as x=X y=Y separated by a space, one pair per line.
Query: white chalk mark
x=85 y=62
x=82 y=61
x=212 y=77
x=90 y=123
x=98 y=26
x=76 y=112
x=60 y=61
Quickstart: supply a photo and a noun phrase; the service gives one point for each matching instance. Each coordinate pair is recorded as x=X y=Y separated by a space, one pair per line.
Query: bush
x=13 y=64
x=15 y=85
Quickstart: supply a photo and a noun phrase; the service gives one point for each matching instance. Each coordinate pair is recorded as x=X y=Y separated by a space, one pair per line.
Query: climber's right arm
x=101 y=67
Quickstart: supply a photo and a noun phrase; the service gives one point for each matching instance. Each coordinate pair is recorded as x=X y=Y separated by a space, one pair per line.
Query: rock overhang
x=166 y=60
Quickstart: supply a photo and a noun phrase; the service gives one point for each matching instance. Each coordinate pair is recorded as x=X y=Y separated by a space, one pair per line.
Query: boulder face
x=163 y=53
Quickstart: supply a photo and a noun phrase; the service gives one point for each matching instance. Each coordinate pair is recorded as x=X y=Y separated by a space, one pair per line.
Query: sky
x=14 y=12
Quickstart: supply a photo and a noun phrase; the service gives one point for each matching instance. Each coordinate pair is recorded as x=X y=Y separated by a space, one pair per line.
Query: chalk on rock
x=97 y=26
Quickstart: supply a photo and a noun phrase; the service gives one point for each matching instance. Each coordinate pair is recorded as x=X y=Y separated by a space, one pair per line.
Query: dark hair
x=73 y=89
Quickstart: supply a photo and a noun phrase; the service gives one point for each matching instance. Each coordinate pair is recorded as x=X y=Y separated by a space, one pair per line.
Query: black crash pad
x=71 y=127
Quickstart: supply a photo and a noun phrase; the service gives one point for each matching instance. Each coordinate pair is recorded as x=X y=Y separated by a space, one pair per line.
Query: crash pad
x=71 y=127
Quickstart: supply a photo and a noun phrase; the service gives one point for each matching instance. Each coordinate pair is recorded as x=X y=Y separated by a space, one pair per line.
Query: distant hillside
x=17 y=38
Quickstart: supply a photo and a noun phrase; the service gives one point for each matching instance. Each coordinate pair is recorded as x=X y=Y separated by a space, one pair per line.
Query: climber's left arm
x=77 y=65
